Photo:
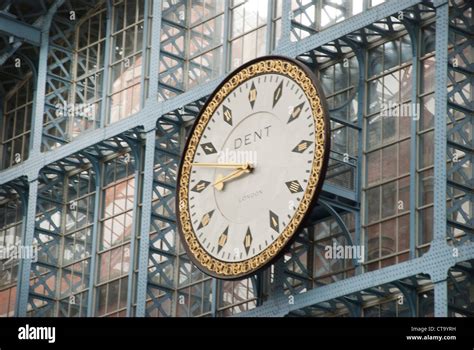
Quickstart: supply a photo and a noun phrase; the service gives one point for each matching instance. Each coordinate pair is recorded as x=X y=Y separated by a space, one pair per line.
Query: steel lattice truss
x=64 y=168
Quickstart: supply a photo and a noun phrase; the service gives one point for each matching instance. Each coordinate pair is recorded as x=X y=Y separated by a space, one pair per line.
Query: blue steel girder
x=172 y=55
x=60 y=74
x=11 y=26
x=47 y=237
x=460 y=141
x=460 y=282
x=59 y=82
x=162 y=158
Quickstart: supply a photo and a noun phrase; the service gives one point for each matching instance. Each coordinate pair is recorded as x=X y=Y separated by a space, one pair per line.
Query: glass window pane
x=428 y=40
x=374 y=132
x=375 y=95
x=426 y=187
x=404 y=157
x=327 y=80
x=115 y=262
x=404 y=122
x=101 y=300
x=427 y=74
x=113 y=296
x=104 y=263
x=118 y=17
x=391 y=54
x=426 y=149
x=426 y=223
x=404 y=232
x=388 y=237
x=375 y=61
x=406 y=84
x=405 y=45
x=389 y=199
x=427 y=112
x=237 y=21
x=123 y=292
x=129 y=42
x=373 y=204
x=389 y=162
x=249 y=48
x=403 y=204
x=236 y=53
x=373 y=167
x=131 y=12
x=391 y=89
x=373 y=242
x=261 y=46
x=389 y=131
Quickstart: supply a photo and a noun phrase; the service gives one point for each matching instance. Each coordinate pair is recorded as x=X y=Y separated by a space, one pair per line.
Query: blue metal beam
x=142 y=279
x=25 y=32
x=435 y=263
x=108 y=49
x=17 y=44
x=350 y=25
x=149 y=161
x=94 y=238
x=270 y=28
x=32 y=174
x=215 y=291
x=440 y=151
x=441 y=299
x=225 y=44
x=23 y=286
x=285 y=25
x=360 y=154
x=146 y=24
x=39 y=99
x=441 y=108
x=135 y=151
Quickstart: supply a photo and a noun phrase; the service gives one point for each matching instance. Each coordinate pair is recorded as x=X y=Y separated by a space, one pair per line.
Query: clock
x=252 y=167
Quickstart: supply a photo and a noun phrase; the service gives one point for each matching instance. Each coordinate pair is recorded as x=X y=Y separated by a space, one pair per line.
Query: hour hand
x=219 y=183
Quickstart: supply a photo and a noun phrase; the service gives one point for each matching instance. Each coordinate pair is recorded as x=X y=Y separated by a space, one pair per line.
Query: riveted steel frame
x=435 y=263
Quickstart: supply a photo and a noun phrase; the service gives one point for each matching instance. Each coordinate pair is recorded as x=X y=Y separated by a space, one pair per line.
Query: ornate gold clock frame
x=307 y=81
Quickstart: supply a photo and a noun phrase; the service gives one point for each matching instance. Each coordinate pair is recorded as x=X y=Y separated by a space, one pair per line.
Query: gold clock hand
x=219 y=183
x=222 y=165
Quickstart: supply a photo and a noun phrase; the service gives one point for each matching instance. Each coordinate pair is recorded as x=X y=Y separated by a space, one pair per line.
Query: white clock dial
x=251 y=173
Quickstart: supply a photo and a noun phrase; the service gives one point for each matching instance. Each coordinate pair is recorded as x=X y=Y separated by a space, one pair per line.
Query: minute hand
x=221 y=165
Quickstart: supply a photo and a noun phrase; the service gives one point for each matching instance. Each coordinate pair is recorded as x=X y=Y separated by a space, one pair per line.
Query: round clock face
x=253 y=164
